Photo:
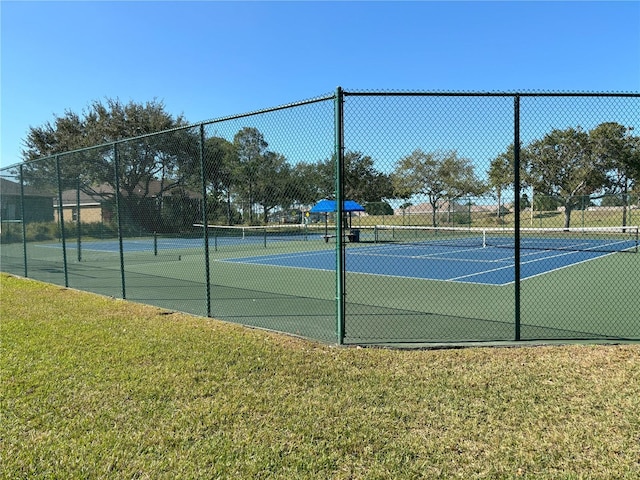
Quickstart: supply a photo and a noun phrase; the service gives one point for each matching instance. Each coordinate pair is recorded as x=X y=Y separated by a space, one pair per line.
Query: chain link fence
x=356 y=218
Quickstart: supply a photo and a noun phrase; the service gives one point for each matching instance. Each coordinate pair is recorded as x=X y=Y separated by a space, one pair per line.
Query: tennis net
x=595 y=239
x=261 y=234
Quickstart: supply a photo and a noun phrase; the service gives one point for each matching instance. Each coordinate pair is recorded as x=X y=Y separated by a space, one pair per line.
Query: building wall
x=88 y=213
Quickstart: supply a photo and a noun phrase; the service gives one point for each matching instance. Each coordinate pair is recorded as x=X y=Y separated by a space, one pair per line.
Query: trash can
x=354 y=235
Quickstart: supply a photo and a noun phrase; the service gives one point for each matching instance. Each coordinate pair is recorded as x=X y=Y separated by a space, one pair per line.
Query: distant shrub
x=11 y=232
x=99 y=230
x=40 y=231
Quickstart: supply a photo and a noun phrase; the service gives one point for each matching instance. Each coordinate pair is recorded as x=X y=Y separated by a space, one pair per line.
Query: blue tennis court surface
x=147 y=244
x=487 y=264
x=483 y=265
x=142 y=245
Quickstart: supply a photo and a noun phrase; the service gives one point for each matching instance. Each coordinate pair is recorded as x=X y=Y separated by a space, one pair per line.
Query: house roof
x=8 y=187
x=95 y=197
x=103 y=192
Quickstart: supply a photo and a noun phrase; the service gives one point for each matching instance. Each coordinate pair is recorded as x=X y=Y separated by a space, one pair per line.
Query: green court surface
x=597 y=299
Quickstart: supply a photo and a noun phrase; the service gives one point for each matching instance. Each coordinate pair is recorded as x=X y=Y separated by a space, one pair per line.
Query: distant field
x=552 y=219
x=94 y=387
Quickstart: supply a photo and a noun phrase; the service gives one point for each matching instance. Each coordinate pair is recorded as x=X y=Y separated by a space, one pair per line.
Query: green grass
x=93 y=387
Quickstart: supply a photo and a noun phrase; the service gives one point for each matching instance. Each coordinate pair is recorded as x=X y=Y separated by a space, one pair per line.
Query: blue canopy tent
x=327 y=206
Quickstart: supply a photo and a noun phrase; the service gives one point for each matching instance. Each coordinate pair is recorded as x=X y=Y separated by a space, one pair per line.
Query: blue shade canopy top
x=325 y=206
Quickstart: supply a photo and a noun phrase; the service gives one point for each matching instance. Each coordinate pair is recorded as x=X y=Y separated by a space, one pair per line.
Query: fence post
x=61 y=219
x=339 y=190
x=78 y=232
x=116 y=182
x=516 y=207
x=205 y=221
x=24 y=223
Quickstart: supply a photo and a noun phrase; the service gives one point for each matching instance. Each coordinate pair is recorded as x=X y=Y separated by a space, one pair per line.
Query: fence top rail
x=411 y=93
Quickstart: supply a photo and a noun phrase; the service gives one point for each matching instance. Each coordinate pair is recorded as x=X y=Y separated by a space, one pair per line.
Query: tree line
x=571 y=164
x=246 y=181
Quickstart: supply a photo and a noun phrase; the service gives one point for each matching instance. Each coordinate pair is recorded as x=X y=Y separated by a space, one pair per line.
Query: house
x=96 y=204
x=93 y=205
x=38 y=205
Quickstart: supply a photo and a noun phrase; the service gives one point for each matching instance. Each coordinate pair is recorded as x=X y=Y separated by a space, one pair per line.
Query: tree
x=310 y=183
x=250 y=147
x=614 y=147
x=100 y=124
x=562 y=165
x=363 y=182
x=378 y=208
x=545 y=203
x=143 y=159
x=273 y=185
x=619 y=151
x=219 y=164
x=324 y=177
x=501 y=174
x=438 y=175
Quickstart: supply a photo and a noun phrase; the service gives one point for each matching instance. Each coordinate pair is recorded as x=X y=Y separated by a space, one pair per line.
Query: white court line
x=275 y=256
x=534 y=261
x=443 y=255
x=436 y=255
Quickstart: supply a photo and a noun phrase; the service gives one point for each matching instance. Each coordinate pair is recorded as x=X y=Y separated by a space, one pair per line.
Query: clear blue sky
x=211 y=59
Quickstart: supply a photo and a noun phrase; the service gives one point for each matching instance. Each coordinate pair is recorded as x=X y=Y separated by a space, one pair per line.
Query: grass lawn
x=93 y=387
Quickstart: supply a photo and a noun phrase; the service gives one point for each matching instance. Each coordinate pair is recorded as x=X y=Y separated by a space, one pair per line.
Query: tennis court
x=482 y=256
x=403 y=285
x=221 y=236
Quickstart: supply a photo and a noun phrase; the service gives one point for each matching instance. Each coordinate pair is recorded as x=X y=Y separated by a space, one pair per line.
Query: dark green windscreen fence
x=430 y=241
